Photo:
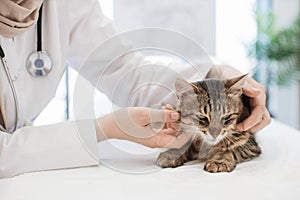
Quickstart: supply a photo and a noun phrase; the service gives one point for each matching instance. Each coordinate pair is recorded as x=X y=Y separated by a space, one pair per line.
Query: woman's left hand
x=259 y=117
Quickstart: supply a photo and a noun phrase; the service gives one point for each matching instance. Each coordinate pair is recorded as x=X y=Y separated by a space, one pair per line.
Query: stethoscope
x=38 y=64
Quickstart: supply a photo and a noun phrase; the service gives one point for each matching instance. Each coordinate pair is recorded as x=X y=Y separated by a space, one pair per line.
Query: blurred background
x=257 y=36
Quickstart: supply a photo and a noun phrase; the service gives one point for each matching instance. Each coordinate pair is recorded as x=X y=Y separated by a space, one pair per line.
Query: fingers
x=258 y=119
x=137 y=124
x=250 y=91
x=266 y=120
x=260 y=116
x=168 y=107
x=163 y=115
x=144 y=122
x=144 y=116
x=171 y=129
x=252 y=120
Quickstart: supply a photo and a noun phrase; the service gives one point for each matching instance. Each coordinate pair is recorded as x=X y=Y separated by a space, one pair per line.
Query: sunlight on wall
x=107 y=8
x=235 y=27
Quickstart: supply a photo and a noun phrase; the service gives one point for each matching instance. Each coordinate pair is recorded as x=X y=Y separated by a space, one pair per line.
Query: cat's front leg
x=175 y=157
x=225 y=161
x=171 y=158
x=222 y=161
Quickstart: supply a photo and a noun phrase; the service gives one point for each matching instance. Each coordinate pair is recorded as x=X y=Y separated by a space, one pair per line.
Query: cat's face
x=211 y=107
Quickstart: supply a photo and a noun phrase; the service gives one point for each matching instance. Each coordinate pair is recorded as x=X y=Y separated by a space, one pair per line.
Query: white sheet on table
x=274 y=175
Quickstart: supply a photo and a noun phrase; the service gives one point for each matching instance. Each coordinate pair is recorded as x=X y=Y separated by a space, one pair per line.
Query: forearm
x=57 y=146
x=105 y=128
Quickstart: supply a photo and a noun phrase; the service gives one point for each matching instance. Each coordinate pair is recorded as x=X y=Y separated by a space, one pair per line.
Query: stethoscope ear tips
x=39 y=63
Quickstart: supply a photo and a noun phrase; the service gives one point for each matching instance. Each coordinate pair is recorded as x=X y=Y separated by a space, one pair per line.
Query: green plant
x=279 y=49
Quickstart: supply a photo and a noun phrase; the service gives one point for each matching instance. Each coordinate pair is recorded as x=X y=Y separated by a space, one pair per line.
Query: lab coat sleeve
x=119 y=79
x=58 y=146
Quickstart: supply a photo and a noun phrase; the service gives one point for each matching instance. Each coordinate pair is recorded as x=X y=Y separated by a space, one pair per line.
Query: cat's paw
x=169 y=159
x=215 y=166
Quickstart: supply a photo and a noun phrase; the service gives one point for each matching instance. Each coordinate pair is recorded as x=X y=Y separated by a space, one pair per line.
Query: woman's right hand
x=136 y=124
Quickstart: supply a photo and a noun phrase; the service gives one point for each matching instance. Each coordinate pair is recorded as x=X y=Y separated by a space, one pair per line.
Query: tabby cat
x=210 y=110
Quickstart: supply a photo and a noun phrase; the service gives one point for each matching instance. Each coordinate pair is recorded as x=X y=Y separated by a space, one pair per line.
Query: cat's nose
x=215 y=132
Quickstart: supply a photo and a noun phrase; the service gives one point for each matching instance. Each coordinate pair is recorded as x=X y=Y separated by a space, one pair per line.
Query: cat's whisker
x=225 y=142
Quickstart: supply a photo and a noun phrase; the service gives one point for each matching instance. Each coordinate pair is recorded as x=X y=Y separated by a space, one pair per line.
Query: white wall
x=235 y=29
x=196 y=18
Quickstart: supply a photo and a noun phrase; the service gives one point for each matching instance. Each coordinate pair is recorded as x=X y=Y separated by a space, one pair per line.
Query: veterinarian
x=38 y=39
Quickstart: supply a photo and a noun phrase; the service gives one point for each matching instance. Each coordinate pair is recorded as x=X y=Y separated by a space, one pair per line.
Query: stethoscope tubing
x=14 y=93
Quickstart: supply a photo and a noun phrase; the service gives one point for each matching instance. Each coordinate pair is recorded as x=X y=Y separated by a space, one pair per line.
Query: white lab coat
x=71 y=29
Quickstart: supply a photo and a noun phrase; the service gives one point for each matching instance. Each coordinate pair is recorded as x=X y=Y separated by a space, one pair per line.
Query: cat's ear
x=183 y=87
x=235 y=83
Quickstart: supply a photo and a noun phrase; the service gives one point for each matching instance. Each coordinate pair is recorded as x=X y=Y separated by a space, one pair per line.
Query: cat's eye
x=203 y=120
x=228 y=119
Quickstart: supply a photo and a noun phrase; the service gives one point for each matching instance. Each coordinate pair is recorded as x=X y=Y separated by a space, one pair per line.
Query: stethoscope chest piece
x=39 y=63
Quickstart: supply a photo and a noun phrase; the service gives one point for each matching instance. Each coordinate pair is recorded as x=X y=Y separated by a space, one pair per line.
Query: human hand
x=139 y=124
x=170 y=127
x=259 y=117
